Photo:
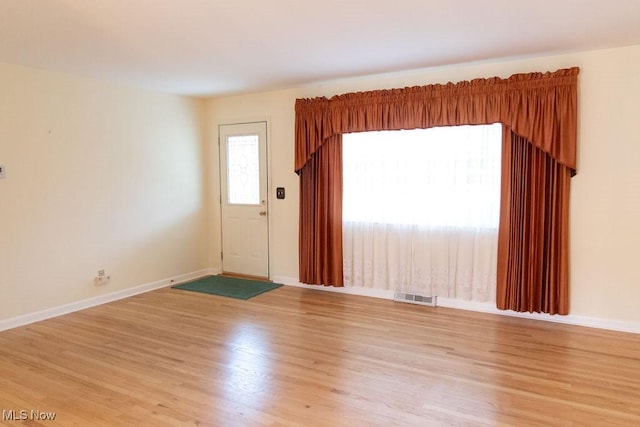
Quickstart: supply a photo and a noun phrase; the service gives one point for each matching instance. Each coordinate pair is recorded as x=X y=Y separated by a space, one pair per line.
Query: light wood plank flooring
x=299 y=357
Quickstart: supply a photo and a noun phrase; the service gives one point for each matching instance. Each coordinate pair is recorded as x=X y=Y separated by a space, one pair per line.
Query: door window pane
x=243 y=166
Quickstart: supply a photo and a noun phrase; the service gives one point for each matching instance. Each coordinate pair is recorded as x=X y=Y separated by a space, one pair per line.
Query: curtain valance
x=541 y=107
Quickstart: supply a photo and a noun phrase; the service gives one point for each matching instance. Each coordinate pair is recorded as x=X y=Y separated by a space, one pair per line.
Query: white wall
x=98 y=176
x=605 y=230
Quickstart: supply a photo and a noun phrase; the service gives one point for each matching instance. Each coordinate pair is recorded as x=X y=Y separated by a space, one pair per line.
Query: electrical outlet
x=101 y=278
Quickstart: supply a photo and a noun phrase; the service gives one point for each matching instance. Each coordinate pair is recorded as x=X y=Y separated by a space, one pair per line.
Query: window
x=421 y=210
x=439 y=177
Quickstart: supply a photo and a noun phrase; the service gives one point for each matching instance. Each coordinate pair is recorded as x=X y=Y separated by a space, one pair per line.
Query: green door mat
x=228 y=286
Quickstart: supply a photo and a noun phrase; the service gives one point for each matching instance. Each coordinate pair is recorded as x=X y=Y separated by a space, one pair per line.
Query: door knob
x=263 y=213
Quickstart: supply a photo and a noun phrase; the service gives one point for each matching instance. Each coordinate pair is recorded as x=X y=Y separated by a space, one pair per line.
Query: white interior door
x=244 y=203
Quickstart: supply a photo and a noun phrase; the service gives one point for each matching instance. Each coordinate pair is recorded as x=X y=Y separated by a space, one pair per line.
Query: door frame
x=267 y=125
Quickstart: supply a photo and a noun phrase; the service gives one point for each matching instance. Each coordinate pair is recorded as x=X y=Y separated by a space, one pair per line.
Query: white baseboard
x=571 y=319
x=49 y=313
x=365 y=292
x=591 y=322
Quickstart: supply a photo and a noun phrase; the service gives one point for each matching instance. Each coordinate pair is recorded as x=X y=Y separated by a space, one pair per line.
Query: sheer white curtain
x=421 y=209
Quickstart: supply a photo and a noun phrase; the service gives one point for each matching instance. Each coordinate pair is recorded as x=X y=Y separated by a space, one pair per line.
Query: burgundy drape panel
x=533 y=250
x=539 y=107
x=320 y=242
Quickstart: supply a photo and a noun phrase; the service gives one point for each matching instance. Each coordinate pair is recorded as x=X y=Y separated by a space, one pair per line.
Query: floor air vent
x=415 y=299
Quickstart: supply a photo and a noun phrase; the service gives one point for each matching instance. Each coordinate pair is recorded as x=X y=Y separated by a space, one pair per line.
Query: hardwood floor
x=298 y=357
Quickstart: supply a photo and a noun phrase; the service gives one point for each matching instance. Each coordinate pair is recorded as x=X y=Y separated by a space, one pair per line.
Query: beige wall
x=102 y=176
x=277 y=109
x=605 y=278
x=97 y=177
